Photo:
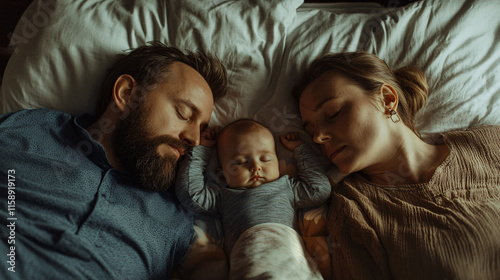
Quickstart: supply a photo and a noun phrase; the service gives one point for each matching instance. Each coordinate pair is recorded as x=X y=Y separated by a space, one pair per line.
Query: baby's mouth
x=256 y=178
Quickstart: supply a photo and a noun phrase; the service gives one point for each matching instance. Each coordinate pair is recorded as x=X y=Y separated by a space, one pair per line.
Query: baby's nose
x=256 y=169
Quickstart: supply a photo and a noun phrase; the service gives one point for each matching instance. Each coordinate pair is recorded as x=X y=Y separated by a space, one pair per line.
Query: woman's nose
x=321 y=137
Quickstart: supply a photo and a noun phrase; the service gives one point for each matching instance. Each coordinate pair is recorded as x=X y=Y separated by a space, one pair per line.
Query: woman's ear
x=389 y=97
x=122 y=92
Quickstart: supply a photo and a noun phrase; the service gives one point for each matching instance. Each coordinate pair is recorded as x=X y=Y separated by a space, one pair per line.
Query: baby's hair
x=241 y=126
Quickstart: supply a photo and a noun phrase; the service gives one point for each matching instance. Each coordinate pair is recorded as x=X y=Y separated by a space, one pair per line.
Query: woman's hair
x=370 y=72
x=149 y=64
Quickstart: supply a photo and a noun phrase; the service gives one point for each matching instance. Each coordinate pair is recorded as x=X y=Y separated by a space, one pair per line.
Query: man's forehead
x=187 y=85
x=181 y=71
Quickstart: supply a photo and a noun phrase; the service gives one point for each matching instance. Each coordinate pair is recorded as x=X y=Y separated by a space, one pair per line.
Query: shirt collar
x=91 y=148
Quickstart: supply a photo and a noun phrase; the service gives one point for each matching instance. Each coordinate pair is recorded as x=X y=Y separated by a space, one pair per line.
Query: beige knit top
x=448 y=228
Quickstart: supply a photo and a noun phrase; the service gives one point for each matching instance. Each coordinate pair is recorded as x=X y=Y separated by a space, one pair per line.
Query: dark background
x=10 y=13
x=12 y=10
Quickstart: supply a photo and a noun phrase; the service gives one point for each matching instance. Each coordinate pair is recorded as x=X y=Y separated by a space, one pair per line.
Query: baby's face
x=248 y=160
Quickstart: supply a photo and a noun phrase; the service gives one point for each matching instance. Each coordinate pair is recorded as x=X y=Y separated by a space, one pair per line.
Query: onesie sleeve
x=191 y=188
x=312 y=187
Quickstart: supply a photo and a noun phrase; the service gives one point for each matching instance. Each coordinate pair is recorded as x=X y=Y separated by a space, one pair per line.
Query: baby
x=256 y=205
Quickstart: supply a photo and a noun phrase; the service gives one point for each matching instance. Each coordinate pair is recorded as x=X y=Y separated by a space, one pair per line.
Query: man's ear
x=122 y=92
x=389 y=97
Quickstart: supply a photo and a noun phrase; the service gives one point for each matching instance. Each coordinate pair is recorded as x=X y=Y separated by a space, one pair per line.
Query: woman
x=408 y=208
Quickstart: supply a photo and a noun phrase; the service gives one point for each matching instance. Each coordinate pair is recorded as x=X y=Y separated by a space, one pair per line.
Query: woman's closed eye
x=331 y=116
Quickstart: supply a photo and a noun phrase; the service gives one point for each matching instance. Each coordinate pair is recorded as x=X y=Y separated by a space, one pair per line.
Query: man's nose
x=191 y=136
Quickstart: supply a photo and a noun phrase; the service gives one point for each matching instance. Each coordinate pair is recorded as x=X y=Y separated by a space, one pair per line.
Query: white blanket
x=271 y=251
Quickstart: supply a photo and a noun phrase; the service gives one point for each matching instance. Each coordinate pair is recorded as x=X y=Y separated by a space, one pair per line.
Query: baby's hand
x=291 y=140
x=208 y=137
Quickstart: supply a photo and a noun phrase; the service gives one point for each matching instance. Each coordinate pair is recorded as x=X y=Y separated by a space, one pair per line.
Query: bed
x=63 y=48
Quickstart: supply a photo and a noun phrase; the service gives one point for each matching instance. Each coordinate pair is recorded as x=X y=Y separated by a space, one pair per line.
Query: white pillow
x=455 y=42
x=63 y=48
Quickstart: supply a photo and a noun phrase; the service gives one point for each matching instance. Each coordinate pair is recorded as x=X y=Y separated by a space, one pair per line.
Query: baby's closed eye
x=267 y=158
x=238 y=161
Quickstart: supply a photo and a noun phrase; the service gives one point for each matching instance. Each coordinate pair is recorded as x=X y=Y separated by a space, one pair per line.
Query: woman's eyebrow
x=319 y=105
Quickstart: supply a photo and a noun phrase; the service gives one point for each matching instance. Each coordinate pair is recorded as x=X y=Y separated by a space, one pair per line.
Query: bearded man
x=89 y=197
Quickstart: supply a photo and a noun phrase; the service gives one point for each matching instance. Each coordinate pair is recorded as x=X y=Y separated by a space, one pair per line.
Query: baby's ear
x=221 y=176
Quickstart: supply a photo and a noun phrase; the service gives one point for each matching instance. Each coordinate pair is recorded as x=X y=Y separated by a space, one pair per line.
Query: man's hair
x=149 y=64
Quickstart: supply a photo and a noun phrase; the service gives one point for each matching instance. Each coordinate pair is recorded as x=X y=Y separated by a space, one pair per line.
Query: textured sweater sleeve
x=191 y=187
x=312 y=188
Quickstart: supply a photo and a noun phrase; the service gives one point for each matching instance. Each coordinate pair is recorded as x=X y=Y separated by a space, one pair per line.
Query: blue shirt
x=67 y=214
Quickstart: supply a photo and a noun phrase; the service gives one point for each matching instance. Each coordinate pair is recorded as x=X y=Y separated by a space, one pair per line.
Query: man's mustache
x=165 y=139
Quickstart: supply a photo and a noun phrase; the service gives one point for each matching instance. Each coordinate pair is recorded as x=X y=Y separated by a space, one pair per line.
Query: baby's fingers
x=215 y=131
x=210 y=133
x=292 y=136
x=205 y=132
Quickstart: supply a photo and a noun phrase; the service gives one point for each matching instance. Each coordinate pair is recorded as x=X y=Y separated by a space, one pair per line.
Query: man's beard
x=137 y=151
